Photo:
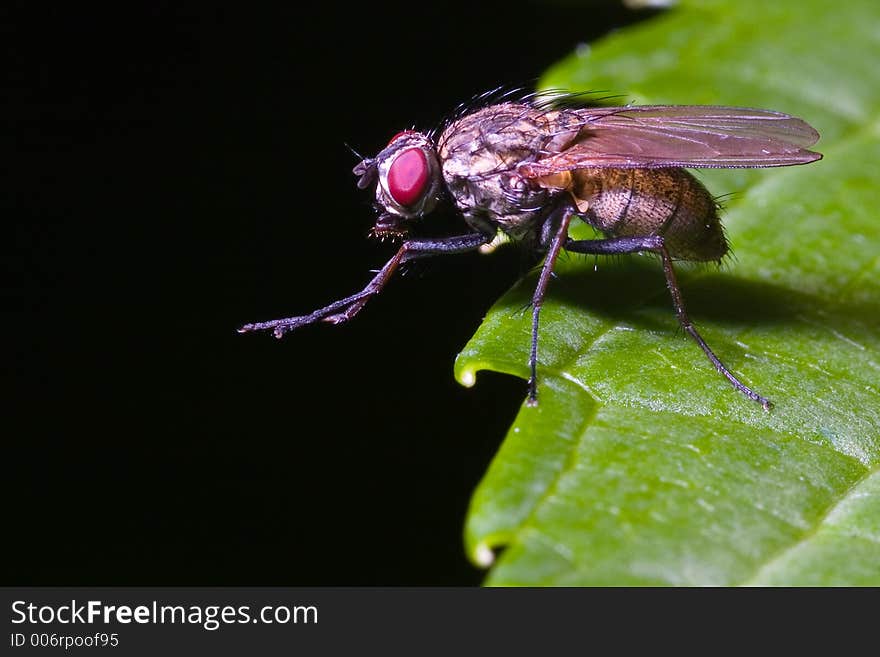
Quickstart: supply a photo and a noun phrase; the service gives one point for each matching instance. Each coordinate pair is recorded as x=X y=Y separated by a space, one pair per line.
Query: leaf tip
x=483 y=555
x=467 y=377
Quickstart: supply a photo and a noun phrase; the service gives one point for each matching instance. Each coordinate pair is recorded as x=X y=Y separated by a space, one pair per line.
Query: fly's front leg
x=344 y=309
x=554 y=235
x=655 y=244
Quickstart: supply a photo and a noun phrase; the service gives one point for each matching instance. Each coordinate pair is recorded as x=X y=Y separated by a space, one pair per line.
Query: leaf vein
x=808 y=535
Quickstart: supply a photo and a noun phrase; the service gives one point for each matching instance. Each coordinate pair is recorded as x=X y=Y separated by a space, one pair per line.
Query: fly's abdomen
x=642 y=202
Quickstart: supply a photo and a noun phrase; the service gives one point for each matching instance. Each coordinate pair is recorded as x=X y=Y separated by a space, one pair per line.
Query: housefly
x=526 y=167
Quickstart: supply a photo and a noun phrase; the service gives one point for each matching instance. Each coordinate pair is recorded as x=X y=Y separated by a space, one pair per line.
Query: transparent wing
x=698 y=136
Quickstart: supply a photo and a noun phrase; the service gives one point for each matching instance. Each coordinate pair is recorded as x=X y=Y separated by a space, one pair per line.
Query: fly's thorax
x=642 y=202
x=480 y=153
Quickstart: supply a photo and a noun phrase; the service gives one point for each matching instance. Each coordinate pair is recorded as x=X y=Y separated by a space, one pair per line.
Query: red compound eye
x=408 y=176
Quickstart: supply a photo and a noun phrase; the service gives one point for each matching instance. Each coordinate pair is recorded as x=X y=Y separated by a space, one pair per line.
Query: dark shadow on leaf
x=621 y=291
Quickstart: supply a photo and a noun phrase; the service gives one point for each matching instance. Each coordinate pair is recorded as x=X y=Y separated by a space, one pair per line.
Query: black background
x=178 y=171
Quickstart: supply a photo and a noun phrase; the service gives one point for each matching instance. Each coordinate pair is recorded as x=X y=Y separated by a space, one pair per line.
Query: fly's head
x=408 y=181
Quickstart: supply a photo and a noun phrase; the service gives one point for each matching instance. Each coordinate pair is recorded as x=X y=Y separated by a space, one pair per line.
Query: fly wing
x=698 y=136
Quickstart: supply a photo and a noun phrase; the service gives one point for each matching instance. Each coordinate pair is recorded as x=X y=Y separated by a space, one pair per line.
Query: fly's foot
x=532 y=399
x=278 y=327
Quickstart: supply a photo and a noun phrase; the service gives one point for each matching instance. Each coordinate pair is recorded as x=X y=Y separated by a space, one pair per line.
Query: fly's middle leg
x=554 y=235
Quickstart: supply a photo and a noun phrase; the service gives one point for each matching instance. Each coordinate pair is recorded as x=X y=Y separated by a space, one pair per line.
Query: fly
x=526 y=168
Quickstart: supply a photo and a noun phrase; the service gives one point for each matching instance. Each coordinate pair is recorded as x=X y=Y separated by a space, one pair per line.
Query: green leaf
x=641 y=465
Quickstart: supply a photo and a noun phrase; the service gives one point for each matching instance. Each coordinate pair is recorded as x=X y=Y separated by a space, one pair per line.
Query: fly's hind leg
x=655 y=244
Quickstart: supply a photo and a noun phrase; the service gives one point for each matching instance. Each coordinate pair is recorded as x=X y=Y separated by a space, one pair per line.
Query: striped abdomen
x=642 y=202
